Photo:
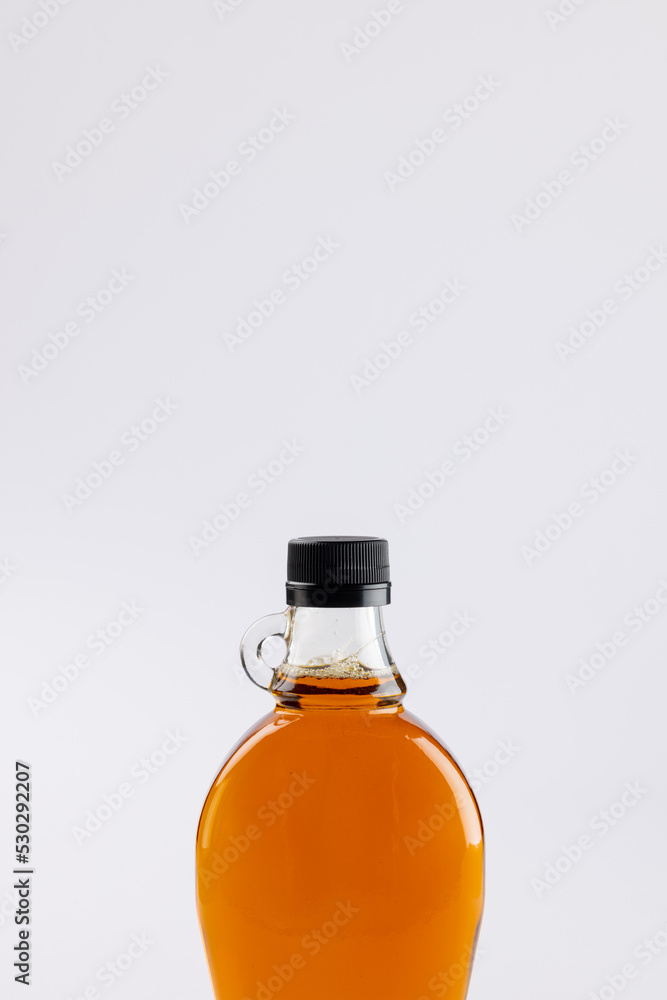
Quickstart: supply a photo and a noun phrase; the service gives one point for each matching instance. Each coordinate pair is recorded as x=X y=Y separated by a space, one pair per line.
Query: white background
x=67 y=572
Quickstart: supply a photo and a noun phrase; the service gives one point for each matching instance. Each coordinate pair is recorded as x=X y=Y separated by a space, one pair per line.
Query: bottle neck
x=337 y=657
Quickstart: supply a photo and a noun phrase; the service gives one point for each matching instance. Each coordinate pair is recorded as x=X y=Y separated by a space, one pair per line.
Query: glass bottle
x=340 y=848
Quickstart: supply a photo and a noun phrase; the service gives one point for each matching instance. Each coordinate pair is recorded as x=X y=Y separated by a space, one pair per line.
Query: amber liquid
x=340 y=854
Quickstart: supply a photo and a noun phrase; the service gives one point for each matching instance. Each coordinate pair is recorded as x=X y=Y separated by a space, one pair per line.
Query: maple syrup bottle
x=340 y=848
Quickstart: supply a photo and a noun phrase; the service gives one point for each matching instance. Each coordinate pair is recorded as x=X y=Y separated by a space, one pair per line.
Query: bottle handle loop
x=259 y=672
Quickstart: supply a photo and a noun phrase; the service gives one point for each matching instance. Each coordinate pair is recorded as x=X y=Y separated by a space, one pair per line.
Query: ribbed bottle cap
x=338 y=571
